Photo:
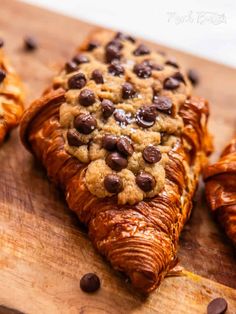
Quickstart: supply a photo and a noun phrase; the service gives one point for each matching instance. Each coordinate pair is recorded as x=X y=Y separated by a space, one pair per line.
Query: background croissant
x=141 y=239
x=11 y=97
x=220 y=181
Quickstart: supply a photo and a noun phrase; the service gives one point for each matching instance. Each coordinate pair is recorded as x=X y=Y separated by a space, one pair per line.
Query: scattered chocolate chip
x=73 y=138
x=171 y=83
x=109 y=142
x=87 y=97
x=123 y=36
x=77 y=81
x=116 y=161
x=172 y=62
x=163 y=103
x=113 y=183
x=2 y=75
x=85 y=123
x=193 y=76
x=115 y=68
x=146 y=116
x=124 y=146
x=120 y=116
x=30 y=43
x=90 y=282
x=145 y=181
x=141 y=50
x=151 y=154
x=1 y=42
x=92 y=45
x=128 y=91
x=70 y=66
x=112 y=53
x=217 y=306
x=107 y=107
x=97 y=77
x=142 y=70
x=80 y=58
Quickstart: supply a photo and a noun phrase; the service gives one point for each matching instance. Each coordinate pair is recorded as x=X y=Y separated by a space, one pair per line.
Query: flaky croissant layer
x=140 y=239
x=11 y=97
x=220 y=181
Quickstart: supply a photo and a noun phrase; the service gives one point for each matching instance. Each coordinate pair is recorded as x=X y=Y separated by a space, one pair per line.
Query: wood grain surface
x=43 y=249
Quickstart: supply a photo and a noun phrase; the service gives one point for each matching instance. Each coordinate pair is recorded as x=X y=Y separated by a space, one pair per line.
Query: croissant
x=11 y=97
x=119 y=132
x=220 y=179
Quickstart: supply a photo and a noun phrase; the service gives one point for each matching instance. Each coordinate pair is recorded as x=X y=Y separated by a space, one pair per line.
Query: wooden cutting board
x=43 y=250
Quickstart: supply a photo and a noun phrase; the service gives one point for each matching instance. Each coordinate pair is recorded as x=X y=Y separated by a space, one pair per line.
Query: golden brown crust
x=11 y=98
x=220 y=181
x=139 y=240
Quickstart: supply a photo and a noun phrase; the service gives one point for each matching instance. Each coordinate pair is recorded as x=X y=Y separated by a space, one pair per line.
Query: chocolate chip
x=73 y=138
x=217 y=306
x=87 y=97
x=123 y=36
x=145 y=181
x=115 y=68
x=77 y=81
x=142 y=70
x=97 y=77
x=172 y=62
x=151 y=154
x=80 y=58
x=116 y=161
x=107 y=107
x=85 y=123
x=128 y=91
x=163 y=103
x=193 y=76
x=146 y=116
x=120 y=116
x=1 y=42
x=109 y=142
x=141 y=50
x=30 y=43
x=92 y=45
x=113 y=183
x=90 y=282
x=2 y=75
x=112 y=52
x=171 y=83
x=124 y=146
x=115 y=42
x=153 y=65
x=70 y=66
x=179 y=76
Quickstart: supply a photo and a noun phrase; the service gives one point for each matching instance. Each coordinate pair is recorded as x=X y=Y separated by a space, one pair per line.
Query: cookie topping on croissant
x=117 y=91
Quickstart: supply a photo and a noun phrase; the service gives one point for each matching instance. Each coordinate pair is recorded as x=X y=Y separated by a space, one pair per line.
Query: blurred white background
x=204 y=27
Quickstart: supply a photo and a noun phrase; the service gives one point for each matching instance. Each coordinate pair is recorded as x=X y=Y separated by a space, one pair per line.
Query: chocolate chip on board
x=217 y=306
x=1 y=42
x=90 y=283
x=92 y=45
x=193 y=76
x=113 y=183
x=30 y=43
